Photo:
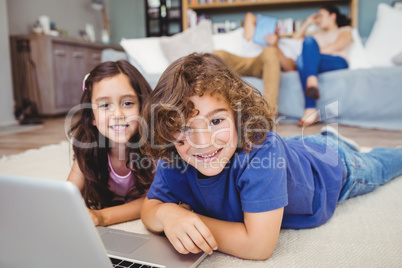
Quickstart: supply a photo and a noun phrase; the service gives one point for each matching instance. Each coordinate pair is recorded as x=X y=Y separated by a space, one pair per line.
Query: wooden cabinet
x=48 y=71
x=250 y=5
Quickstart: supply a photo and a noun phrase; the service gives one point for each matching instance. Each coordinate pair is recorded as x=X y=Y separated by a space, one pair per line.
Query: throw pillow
x=290 y=47
x=385 y=39
x=397 y=59
x=195 y=39
x=147 y=53
x=230 y=41
x=357 y=53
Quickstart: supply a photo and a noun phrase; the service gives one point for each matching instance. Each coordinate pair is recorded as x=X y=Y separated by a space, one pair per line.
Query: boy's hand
x=184 y=205
x=186 y=231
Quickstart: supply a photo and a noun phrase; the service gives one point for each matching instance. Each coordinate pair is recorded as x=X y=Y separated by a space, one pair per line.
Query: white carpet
x=365 y=231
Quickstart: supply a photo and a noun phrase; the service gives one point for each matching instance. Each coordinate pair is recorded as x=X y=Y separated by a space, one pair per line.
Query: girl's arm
x=121 y=213
x=107 y=216
x=76 y=176
x=344 y=39
x=299 y=34
x=189 y=232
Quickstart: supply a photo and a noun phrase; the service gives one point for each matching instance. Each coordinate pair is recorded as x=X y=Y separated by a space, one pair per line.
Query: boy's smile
x=209 y=138
x=208 y=157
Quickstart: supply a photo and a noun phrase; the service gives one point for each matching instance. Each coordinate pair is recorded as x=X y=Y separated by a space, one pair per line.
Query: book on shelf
x=264 y=26
x=191 y=18
x=203 y=2
x=285 y=26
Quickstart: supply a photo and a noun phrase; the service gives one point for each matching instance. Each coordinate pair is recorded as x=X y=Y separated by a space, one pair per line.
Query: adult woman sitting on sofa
x=325 y=51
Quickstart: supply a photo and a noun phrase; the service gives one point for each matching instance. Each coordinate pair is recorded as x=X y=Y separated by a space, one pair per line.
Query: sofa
x=368 y=94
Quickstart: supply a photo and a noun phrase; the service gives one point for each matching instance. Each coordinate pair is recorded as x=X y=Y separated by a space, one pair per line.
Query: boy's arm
x=189 y=232
x=254 y=239
x=184 y=228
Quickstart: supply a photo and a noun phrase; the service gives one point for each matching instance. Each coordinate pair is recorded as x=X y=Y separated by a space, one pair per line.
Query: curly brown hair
x=169 y=104
x=91 y=148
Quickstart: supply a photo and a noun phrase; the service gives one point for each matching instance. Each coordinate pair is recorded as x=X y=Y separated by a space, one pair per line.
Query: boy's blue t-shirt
x=304 y=177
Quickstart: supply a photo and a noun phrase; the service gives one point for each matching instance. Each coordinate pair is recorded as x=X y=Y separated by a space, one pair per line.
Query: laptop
x=45 y=223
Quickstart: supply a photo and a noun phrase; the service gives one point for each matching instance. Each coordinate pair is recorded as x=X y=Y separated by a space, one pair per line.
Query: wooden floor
x=53 y=131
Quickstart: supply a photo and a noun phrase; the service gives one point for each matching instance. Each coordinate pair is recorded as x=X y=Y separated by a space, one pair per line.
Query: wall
x=6 y=92
x=71 y=15
x=367 y=14
x=18 y=17
x=127 y=19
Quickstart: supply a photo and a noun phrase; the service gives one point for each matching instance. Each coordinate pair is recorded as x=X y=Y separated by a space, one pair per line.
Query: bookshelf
x=248 y=5
x=163 y=17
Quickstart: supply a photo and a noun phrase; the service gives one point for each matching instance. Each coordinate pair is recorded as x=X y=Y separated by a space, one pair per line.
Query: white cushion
x=230 y=42
x=291 y=47
x=385 y=39
x=357 y=54
x=249 y=48
x=147 y=53
x=397 y=59
x=194 y=39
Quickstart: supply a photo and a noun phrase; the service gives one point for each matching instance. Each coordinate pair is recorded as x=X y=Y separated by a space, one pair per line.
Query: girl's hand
x=186 y=231
x=96 y=216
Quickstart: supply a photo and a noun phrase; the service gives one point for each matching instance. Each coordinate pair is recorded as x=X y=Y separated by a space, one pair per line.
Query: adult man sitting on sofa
x=267 y=65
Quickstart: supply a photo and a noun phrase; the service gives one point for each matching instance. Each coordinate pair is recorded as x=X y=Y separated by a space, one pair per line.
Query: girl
x=325 y=51
x=242 y=181
x=105 y=141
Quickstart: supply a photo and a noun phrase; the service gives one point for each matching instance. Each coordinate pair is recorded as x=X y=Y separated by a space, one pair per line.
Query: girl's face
x=209 y=138
x=325 y=20
x=116 y=108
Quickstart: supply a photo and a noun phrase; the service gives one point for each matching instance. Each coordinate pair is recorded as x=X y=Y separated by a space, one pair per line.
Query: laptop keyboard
x=124 y=264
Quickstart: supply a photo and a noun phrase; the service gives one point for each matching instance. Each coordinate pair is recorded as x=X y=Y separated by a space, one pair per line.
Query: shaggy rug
x=365 y=231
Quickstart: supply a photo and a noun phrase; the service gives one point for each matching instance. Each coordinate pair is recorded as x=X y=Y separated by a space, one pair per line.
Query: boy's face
x=209 y=138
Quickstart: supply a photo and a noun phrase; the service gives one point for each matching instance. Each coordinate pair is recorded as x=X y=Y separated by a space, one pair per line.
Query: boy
x=240 y=182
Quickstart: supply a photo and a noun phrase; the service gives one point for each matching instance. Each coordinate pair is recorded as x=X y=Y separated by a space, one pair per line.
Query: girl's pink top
x=120 y=185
